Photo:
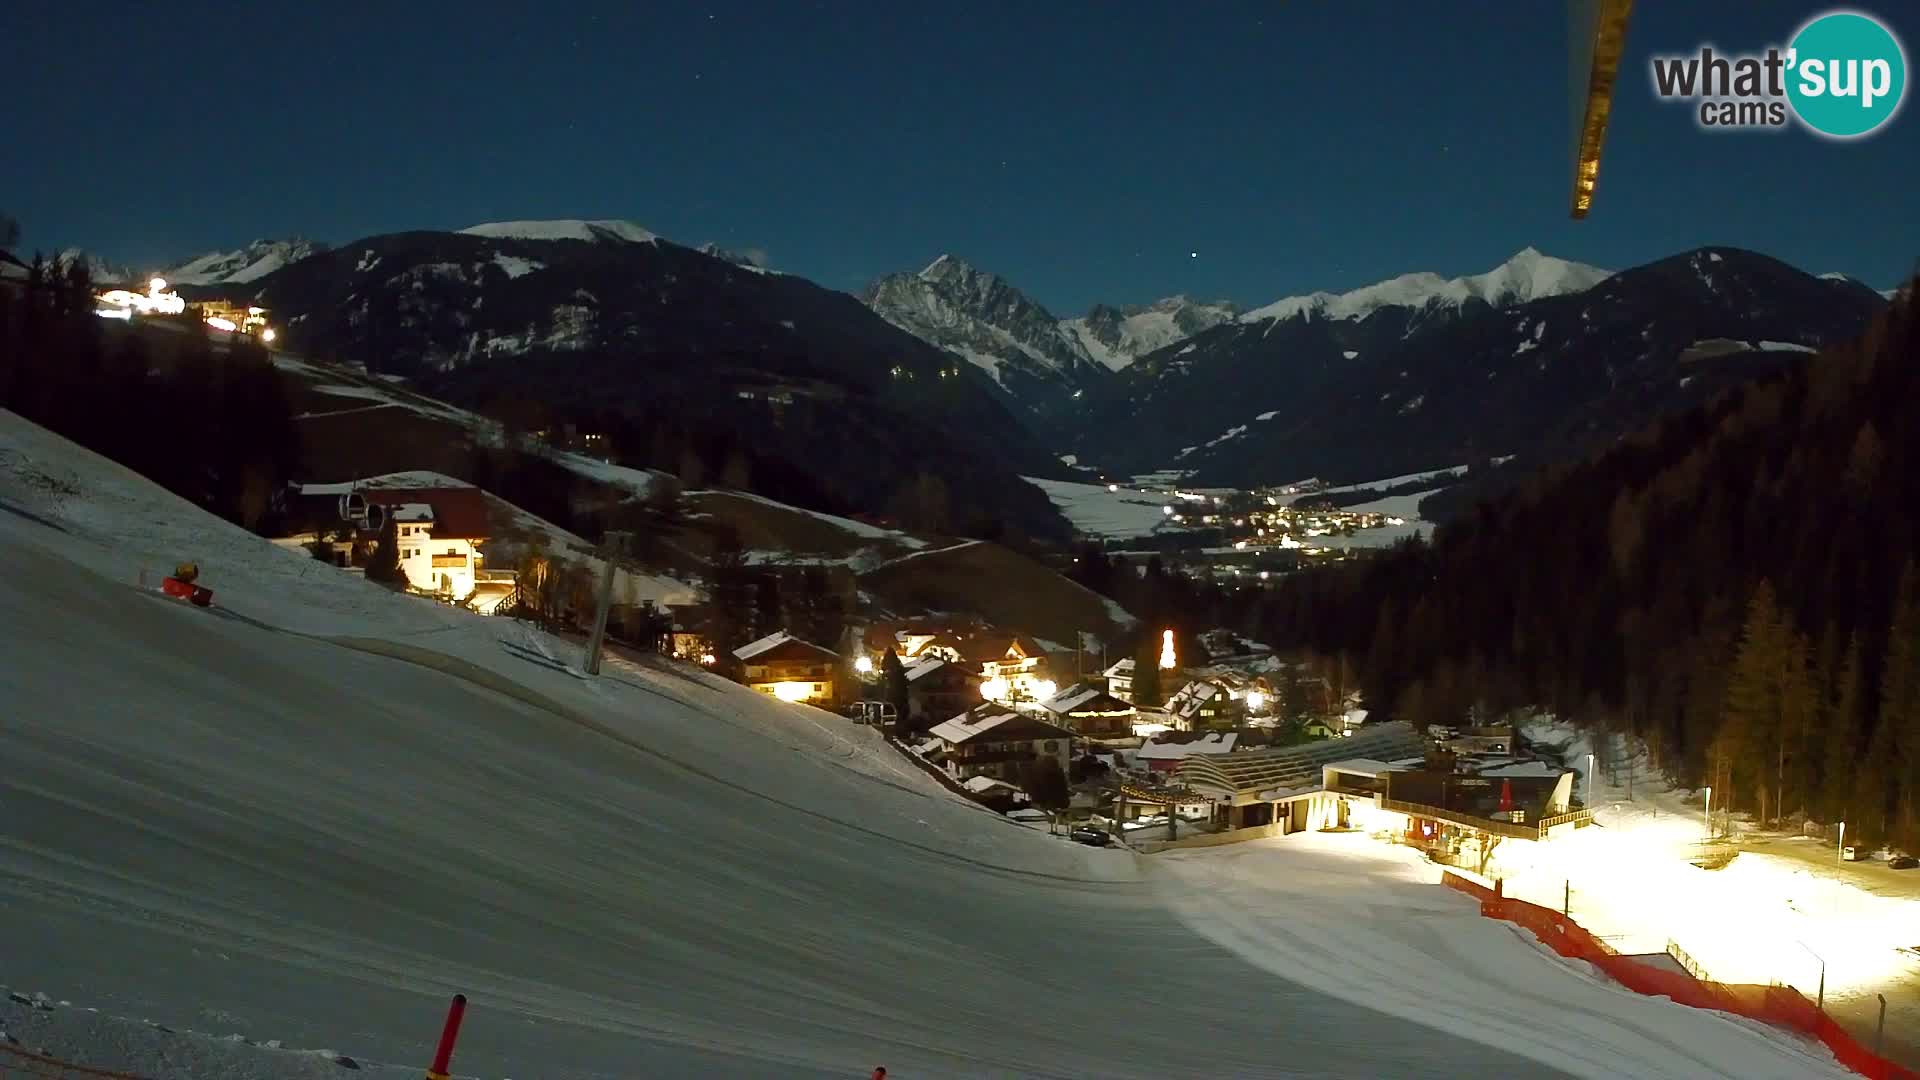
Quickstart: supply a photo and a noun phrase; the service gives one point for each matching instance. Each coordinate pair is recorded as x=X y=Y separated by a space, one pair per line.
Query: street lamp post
x=1589 y=781
x=1707 y=814
x=1842 y=853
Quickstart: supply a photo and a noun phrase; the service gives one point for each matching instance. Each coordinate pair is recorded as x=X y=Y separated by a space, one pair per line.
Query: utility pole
x=615 y=541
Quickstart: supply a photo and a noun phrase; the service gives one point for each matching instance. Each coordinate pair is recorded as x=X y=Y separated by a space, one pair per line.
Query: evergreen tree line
x=1735 y=585
x=209 y=421
x=748 y=601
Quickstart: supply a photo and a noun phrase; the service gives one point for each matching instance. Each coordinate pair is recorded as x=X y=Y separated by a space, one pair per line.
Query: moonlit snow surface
x=214 y=822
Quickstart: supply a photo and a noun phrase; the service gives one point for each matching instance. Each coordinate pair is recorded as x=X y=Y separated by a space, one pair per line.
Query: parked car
x=1092 y=837
x=1902 y=862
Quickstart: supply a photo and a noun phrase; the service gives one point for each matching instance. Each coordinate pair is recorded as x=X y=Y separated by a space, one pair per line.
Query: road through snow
x=231 y=828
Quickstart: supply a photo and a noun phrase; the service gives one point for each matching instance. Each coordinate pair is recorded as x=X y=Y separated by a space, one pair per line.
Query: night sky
x=1085 y=151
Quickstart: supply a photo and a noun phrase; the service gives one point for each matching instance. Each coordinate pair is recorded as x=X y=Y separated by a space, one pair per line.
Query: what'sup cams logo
x=1843 y=75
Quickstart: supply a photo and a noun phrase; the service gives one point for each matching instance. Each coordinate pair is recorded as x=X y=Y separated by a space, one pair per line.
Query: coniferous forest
x=1736 y=585
x=210 y=421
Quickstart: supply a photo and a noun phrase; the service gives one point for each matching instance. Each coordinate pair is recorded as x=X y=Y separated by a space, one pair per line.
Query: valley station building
x=1389 y=779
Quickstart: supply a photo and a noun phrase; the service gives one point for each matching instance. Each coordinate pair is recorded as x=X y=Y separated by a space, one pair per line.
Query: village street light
x=1589 y=781
x=863 y=665
x=1843 y=842
x=1707 y=814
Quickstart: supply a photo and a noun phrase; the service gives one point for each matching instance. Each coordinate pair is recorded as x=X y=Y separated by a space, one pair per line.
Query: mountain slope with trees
x=1735 y=584
x=682 y=361
x=1393 y=389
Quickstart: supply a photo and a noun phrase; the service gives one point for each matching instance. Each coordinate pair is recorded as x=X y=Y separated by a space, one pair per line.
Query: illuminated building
x=782 y=666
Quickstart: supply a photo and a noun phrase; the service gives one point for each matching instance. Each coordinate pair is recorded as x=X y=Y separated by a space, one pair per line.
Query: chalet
x=1120 y=679
x=439 y=531
x=1021 y=671
x=992 y=740
x=1090 y=712
x=937 y=687
x=782 y=666
x=1205 y=704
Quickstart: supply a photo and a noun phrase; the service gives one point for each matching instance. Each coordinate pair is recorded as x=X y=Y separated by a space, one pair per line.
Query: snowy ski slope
x=311 y=813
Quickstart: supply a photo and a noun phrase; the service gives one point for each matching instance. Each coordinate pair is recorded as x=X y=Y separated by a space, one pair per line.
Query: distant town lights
x=863 y=665
x=268 y=334
x=1256 y=700
x=1167 y=659
x=994 y=689
x=792 y=691
x=1166 y=511
x=1044 y=689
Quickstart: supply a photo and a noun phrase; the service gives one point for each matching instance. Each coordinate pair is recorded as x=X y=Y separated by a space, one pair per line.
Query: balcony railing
x=449 y=562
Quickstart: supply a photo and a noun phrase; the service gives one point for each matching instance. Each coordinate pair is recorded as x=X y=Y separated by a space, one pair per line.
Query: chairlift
x=354 y=508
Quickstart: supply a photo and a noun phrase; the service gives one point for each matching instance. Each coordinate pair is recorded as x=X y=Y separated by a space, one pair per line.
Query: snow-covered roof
x=1080 y=696
x=1192 y=696
x=1218 y=742
x=980 y=785
x=1361 y=766
x=1003 y=723
x=413 y=512
x=924 y=667
x=754 y=648
x=1121 y=669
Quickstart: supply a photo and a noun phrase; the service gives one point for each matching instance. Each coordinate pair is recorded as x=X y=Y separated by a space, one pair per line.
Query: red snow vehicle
x=181 y=585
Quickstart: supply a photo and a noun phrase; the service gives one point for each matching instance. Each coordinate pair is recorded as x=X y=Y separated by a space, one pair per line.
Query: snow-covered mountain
x=611 y=231
x=1529 y=275
x=250 y=263
x=593 y=319
x=1537 y=357
x=1118 y=336
x=99 y=270
x=983 y=319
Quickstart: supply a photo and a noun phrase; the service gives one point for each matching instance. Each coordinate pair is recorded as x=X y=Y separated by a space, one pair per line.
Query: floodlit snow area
x=217 y=821
x=1367 y=924
x=1096 y=511
x=1781 y=914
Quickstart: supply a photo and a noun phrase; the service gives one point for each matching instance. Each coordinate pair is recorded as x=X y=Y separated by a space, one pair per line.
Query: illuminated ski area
x=312 y=812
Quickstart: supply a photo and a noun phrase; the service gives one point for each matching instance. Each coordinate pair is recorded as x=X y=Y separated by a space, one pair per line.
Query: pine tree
x=1049 y=789
x=1763 y=700
x=1146 y=672
x=893 y=676
x=384 y=567
x=1900 y=699
x=1845 y=738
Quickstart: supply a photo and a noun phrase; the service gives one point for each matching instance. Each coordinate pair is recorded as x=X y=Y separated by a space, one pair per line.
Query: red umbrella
x=1506 y=794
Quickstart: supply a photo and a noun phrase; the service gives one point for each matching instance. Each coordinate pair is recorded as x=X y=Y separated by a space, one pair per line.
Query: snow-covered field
x=1784 y=910
x=211 y=820
x=308 y=815
x=1366 y=924
x=1116 y=515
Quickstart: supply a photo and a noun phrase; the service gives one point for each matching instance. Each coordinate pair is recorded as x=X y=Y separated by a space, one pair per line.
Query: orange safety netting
x=1781 y=1006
